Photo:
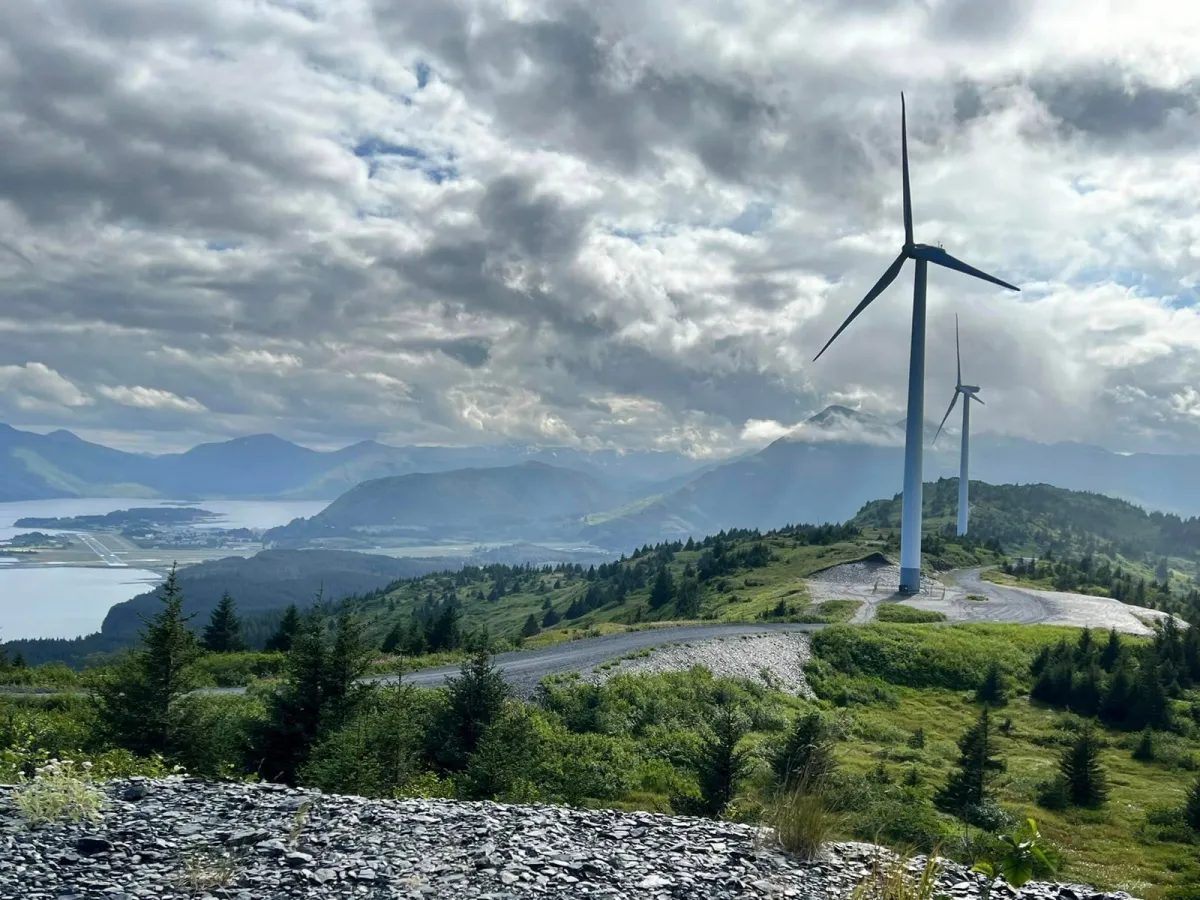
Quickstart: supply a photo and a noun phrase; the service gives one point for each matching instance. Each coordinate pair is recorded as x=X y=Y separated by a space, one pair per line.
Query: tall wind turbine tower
x=922 y=254
x=970 y=392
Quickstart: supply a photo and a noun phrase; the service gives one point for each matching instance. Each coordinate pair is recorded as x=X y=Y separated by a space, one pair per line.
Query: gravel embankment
x=776 y=660
x=159 y=839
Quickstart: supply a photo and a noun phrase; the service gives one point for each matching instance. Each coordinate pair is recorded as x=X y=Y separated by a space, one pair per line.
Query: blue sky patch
x=753 y=218
x=423 y=73
x=373 y=149
x=221 y=246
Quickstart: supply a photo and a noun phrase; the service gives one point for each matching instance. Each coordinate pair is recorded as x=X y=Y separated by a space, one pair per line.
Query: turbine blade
x=908 y=226
x=880 y=286
x=957 y=350
x=940 y=257
x=949 y=410
x=976 y=399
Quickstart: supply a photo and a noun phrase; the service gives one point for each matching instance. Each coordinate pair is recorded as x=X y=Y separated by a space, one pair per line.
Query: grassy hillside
x=734 y=576
x=1034 y=518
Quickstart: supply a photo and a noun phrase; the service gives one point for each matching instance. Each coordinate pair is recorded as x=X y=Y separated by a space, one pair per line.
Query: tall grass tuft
x=802 y=822
x=890 y=879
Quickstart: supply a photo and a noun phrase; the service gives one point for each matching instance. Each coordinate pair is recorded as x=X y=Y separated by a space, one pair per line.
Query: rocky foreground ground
x=177 y=838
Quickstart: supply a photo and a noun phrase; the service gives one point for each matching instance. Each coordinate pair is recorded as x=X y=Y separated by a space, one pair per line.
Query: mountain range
x=823 y=471
x=60 y=464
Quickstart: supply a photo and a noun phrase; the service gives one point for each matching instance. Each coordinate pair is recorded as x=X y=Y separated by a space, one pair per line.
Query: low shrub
x=907 y=615
x=59 y=790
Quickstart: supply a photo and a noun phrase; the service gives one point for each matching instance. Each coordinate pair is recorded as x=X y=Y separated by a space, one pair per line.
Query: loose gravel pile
x=176 y=838
x=777 y=660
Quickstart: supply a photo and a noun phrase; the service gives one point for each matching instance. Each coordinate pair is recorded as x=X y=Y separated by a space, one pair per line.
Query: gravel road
x=525 y=668
x=776 y=660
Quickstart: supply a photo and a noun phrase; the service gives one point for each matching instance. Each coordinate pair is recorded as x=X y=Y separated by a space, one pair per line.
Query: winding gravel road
x=525 y=668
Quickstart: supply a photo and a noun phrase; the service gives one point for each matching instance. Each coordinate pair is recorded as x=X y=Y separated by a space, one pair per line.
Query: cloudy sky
x=606 y=223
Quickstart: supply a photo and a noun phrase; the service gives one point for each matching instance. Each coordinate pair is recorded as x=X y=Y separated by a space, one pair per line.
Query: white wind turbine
x=922 y=254
x=970 y=392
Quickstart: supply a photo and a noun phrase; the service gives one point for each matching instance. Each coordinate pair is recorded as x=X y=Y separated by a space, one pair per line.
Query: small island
x=122 y=519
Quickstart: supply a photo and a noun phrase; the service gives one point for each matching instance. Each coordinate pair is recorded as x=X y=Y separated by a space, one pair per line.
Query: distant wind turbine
x=969 y=392
x=910 y=522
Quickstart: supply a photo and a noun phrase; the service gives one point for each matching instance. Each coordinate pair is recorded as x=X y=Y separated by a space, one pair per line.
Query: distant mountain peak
x=841 y=424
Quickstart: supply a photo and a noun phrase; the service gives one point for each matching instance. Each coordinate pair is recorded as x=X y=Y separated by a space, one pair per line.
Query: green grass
x=896 y=613
x=1109 y=848
x=901 y=678
x=953 y=657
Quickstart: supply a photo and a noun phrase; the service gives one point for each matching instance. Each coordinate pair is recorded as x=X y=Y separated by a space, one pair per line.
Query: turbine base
x=910 y=581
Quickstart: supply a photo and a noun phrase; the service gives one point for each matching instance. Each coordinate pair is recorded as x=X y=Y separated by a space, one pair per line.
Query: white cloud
x=242 y=203
x=35 y=387
x=150 y=398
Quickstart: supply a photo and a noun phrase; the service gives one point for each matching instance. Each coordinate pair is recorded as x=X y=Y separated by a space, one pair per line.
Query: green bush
x=907 y=615
x=214 y=733
x=381 y=751
x=955 y=657
x=237 y=669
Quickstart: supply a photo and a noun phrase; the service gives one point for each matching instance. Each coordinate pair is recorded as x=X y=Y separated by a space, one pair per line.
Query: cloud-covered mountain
x=36 y=466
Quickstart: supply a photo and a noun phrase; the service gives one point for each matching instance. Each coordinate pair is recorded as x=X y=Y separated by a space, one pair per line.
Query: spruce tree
x=393 y=639
x=281 y=640
x=1191 y=805
x=474 y=700
x=992 y=690
x=1111 y=653
x=1087 y=784
x=134 y=700
x=531 y=627
x=223 y=633
x=293 y=722
x=349 y=660
x=1150 y=705
x=721 y=765
x=1144 y=751
x=663 y=590
x=967 y=785
x=1115 y=706
x=806 y=757
x=551 y=618
x=687 y=598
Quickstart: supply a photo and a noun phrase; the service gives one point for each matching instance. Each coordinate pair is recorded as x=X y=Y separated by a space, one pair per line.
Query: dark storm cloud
x=1103 y=103
x=481 y=269
x=978 y=20
x=584 y=92
x=81 y=139
x=1107 y=104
